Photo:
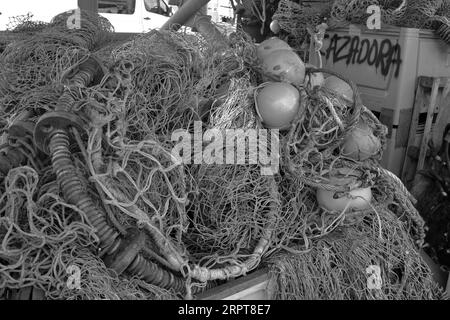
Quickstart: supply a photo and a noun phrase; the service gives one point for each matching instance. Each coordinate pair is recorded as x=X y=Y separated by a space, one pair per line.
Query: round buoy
x=357 y=198
x=270 y=45
x=340 y=86
x=284 y=65
x=274 y=26
x=361 y=144
x=277 y=104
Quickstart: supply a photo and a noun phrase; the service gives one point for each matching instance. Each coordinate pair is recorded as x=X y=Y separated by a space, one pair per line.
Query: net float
x=360 y=143
x=274 y=26
x=284 y=65
x=277 y=104
x=356 y=199
x=339 y=86
x=270 y=45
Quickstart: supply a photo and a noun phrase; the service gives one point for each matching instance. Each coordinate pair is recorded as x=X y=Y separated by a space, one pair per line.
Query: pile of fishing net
x=341 y=253
x=154 y=192
x=296 y=17
x=19 y=28
x=43 y=236
x=337 y=253
x=25 y=23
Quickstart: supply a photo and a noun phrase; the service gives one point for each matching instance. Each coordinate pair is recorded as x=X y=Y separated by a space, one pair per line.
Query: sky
x=42 y=10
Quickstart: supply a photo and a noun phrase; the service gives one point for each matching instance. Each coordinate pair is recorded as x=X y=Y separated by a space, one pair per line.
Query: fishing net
x=351 y=11
x=156 y=75
x=325 y=254
x=205 y=215
x=344 y=12
x=442 y=23
x=154 y=85
x=146 y=186
x=419 y=14
x=235 y=110
x=330 y=253
x=233 y=208
x=42 y=237
x=174 y=76
x=312 y=147
x=295 y=18
x=98 y=282
x=31 y=231
x=32 y=69
x=158 y=80
x=392 y=11
x=357 y=262
x=302 y=219
x=25 y=24
x=310 y=221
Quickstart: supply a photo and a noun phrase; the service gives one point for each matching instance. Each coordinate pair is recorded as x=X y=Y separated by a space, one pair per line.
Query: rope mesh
x=203 y=223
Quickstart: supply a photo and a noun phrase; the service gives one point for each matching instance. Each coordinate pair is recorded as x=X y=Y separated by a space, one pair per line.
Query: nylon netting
x=203 y=223
x=295 y=18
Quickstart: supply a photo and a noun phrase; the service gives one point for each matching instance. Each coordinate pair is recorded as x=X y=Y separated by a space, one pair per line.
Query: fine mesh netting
x=25 y=23
x=296 y=17
x=108 y=195
x=336 y=266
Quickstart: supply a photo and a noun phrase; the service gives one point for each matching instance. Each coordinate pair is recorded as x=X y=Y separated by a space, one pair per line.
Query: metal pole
x=183 y=14
x=211 y=34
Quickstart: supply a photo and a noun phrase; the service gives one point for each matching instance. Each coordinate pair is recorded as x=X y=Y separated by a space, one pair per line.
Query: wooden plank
x=256 y=292
x=428 y=124
x=443 y=116
x=240 y=288
x=427 y=82
x=408 y=162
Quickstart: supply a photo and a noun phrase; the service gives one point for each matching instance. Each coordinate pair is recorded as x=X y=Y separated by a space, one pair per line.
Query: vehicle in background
x=222 y=14
x=135 y=15
x=130 y=16
x=220 y=11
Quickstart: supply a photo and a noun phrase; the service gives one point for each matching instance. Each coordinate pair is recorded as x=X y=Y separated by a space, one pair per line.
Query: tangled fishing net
x=32 y=67
x=295 y=18
x=20 y=28
x=328 y=251
x=357 y=262
x=344 y=12
x=25 y=23
x=42 y=236
x=312 y=147
x=109 y=197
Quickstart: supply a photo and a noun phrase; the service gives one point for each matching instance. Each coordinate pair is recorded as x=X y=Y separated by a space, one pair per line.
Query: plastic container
x=385 y=64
